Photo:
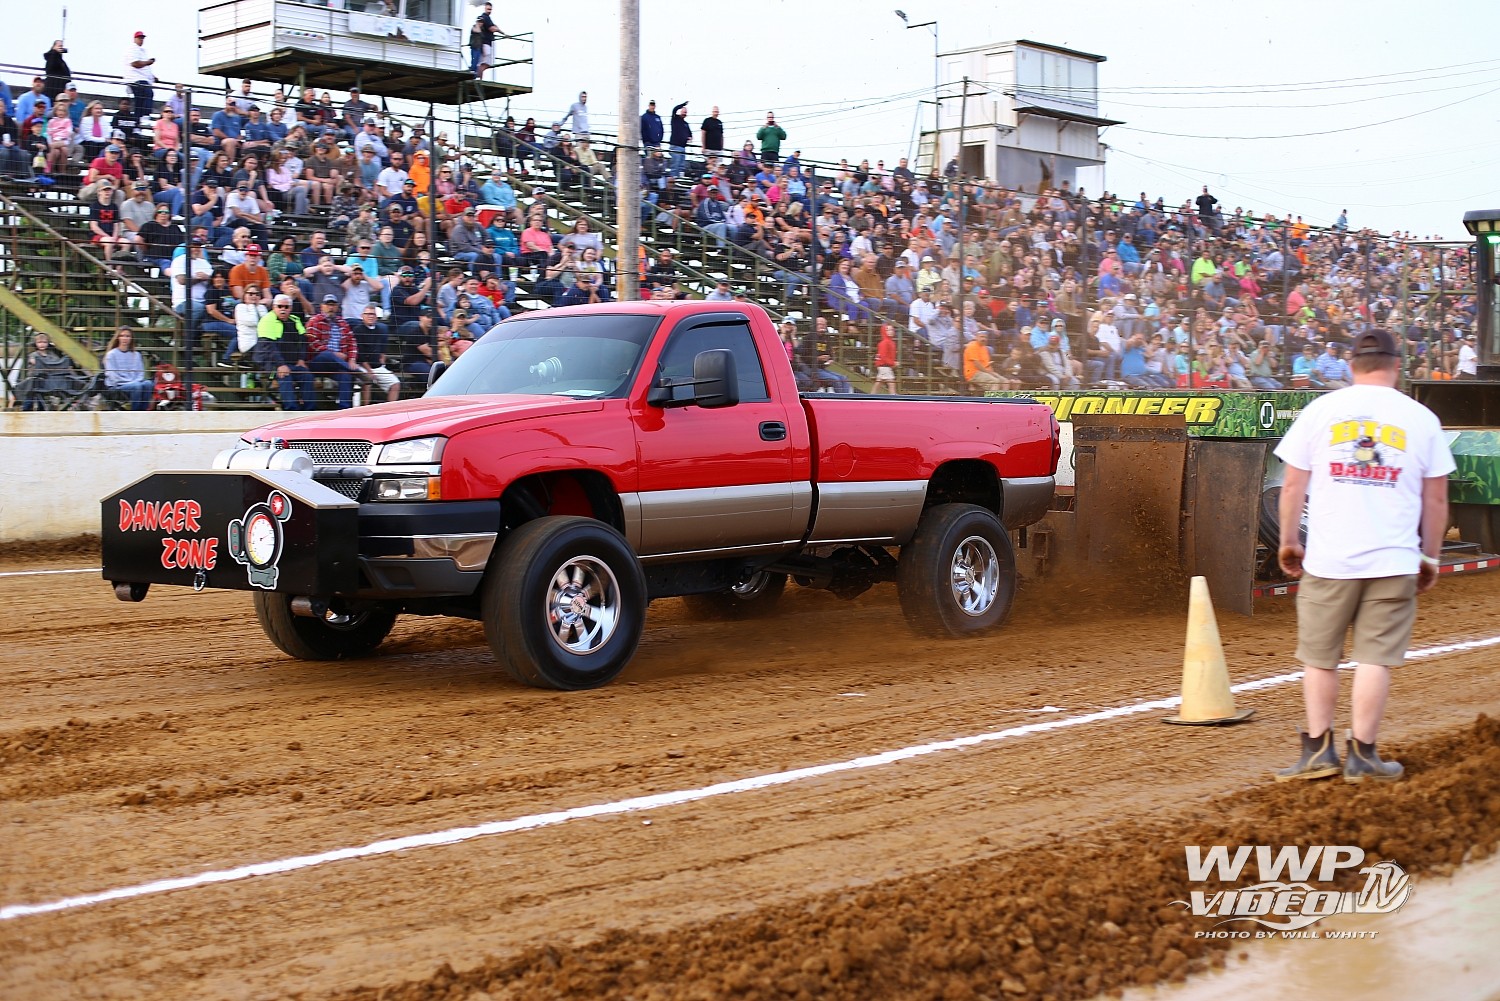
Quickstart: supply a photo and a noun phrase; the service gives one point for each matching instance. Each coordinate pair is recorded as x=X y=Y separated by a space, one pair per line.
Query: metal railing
x=54 y=283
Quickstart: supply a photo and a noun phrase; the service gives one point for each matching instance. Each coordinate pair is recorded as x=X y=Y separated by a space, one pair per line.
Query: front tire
x=753 y=598
x=335 y=636
x=957 y=576
x=564 y=603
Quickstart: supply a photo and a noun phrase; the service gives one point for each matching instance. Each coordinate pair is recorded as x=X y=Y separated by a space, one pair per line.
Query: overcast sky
x=1214 y=76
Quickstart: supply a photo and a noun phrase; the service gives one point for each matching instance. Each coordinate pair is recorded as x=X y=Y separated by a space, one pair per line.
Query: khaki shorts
x=1381 y=609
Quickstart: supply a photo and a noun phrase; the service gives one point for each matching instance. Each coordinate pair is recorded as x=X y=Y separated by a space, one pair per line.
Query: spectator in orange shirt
x=252 y=271
x=979 y=371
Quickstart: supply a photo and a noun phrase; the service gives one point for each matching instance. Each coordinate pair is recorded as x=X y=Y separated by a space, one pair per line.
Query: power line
x=1325 y=132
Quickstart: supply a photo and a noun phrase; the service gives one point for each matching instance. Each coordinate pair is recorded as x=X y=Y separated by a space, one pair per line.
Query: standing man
x=651 y=128
x=711 y=132
x=482 y=56
x=1373 y=465
x=139 y=76
x=578 y=113
x=680 y=139
x=771 y=136
x=1208 y=214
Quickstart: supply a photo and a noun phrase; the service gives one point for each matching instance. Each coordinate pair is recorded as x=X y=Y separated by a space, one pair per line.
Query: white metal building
x=1031 y=117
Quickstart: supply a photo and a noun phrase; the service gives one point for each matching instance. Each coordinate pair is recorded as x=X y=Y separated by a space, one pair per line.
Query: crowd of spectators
x=307 y=237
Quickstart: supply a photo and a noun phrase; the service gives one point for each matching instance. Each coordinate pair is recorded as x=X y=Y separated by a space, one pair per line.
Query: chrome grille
x=335 y=453
x=349 y=488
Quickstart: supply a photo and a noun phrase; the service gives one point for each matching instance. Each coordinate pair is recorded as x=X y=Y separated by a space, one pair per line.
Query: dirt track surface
x=150 y=741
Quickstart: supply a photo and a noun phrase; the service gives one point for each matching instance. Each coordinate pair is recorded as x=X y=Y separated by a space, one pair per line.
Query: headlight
x=407 y=488
x=418 y=451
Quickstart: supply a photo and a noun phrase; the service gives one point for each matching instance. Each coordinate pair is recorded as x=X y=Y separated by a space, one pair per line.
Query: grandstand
x=1218 y=297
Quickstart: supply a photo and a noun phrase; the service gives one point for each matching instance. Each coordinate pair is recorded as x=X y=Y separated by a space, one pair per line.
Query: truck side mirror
x=715 y=384
x=437 y=369
x=716 y=379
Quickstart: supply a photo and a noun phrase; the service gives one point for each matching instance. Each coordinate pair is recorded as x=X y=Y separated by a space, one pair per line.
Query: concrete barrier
x=54 y=467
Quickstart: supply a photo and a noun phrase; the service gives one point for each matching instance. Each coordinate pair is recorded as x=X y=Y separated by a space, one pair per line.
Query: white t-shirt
x=1109 y=336
x=201 y=269
x=1468 y=360
x=390 y=181
x=138 y=74
x=1369 y=448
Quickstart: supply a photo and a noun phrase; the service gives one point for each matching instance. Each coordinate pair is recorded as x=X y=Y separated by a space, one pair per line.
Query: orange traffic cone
x=1206 y=698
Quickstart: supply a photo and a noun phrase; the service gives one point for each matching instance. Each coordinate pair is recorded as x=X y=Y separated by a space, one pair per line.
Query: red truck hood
x=437 y=415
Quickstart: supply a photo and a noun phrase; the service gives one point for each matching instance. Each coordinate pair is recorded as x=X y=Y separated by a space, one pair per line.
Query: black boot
x=1363 y=762
x=1319 y=760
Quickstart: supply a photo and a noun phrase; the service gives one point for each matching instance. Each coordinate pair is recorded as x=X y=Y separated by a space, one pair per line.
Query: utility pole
x=628 y=155
x=963 y=207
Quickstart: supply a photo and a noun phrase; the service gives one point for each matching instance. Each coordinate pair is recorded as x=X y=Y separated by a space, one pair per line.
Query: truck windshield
x=579 y=356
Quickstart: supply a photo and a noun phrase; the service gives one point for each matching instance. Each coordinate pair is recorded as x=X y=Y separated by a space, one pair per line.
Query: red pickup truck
x=576 y=463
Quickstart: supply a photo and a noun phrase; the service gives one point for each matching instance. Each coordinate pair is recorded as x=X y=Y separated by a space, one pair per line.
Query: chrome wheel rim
x=583 y=605
x=976 y=575
x=752 y=585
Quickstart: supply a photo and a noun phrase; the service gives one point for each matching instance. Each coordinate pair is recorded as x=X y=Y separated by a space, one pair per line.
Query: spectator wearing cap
x=242 y=208
x=407 y=296
x=108 y=164
x=1333 y=371
x=369 y=139
x=489 y=262
x=928 y=276
x=900 y=290
x=466 y=238
x=190 y=275
x=1468 y=359
x=405 y=199
x=206 y=208
x=251 y=271
x=1055 y=363
x=159 y=235
x=136 y=211
x=228 y=128
x=652 y=131
x=354 y=112
x=332 y=349
x=360 y=290
x=104 y=220
x=140 y=75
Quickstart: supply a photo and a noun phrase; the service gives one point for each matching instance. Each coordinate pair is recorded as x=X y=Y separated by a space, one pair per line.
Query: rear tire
x=1270 y=520
x=957 y=576
x=333 y=637
x=753 y=598
x=564 y=603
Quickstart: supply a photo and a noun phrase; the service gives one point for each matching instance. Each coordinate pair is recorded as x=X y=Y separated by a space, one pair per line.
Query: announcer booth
x=412 y=49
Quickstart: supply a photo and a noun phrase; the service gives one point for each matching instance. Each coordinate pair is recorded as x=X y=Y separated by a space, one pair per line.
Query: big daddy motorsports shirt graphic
x=1295 y=889
x=1367 y=452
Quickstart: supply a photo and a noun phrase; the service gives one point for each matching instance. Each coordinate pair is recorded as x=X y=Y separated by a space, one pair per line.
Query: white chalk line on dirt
x=656 y=801
x=43 y=573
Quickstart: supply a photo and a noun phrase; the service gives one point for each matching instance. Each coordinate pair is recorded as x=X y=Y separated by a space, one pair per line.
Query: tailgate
x=268 y=530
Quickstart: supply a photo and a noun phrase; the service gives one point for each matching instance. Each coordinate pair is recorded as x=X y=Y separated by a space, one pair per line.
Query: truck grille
x=336 y=453
x=349 y=488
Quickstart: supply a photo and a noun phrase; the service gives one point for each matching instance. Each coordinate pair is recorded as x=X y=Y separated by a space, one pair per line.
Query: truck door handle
x=772 y=431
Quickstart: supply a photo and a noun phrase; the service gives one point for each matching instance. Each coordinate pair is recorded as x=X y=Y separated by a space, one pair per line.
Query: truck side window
x=677 y=358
